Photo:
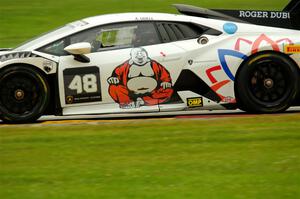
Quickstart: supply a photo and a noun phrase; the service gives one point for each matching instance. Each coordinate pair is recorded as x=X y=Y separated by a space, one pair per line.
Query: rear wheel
x=24 y=94
x=267 y=83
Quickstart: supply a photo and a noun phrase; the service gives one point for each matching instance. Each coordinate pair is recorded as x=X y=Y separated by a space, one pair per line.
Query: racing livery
x=155 y=62
x=136 y=81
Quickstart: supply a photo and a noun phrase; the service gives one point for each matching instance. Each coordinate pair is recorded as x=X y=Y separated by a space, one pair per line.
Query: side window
x=125 y=35
x=173 y=31
x=115 y=37
x=108 y=37
x=56 y=48
x=146 y=35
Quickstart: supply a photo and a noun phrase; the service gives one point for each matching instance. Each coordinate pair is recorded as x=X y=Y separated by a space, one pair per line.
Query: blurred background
x=21 y=20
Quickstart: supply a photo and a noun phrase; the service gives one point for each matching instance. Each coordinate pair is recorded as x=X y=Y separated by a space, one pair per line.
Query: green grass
x=21 y=20
x=170 y=159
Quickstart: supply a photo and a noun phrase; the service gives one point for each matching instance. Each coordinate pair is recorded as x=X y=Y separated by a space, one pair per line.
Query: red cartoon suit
x=122 y=95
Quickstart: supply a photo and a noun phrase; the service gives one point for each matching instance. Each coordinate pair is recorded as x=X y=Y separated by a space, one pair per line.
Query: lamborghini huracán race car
x=153 y=62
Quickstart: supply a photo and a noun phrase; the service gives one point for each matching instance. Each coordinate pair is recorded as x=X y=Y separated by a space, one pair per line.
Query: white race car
x=152 y=62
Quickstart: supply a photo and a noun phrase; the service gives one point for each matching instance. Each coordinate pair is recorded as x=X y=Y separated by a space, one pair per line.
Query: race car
x=155 y=62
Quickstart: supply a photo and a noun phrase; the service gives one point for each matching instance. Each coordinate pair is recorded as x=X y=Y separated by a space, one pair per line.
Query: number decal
x=88 y=84
x=82 y=85
x=76 y=84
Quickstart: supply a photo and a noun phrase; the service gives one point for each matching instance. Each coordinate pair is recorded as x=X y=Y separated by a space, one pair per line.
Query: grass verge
x=225 y=158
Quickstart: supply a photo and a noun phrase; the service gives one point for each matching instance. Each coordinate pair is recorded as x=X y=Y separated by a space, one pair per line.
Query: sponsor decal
x=264 y=14
x=279 y=19
x=195 y=102
x=229 y=99
x=140 y=81
x=230 y=28
x=292 y=49
x=82 y=85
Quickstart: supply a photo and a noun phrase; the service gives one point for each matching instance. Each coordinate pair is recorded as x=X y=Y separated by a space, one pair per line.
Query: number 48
x=86 y=83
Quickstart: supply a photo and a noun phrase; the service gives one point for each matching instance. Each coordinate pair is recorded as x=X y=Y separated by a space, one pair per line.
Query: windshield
x=46 y=36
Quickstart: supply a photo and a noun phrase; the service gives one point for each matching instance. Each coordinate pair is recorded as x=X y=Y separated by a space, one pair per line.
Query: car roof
x=92 y=22
x=135 y=16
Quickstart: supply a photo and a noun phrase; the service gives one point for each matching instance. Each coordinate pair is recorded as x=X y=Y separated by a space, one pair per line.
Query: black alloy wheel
x=267 y=83
x=24 y=94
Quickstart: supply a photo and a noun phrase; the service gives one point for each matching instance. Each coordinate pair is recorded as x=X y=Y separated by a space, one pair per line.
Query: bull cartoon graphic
x=140 y=81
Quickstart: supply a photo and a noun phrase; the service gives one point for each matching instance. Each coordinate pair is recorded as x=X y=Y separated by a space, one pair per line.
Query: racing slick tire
x=267 y=83
x=24 y=94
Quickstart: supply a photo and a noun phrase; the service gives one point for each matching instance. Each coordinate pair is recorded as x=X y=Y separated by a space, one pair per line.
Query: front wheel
x=267 y=83
x=24 y=94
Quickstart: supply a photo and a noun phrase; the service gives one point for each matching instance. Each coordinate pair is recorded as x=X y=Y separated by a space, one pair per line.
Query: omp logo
x=292 y=49
x=195 y=102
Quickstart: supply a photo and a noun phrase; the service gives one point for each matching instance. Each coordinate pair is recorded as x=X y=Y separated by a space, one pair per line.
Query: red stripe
x=209 y=73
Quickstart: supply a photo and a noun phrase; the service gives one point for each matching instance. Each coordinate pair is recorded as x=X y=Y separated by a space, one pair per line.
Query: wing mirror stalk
x=79 y=50
x=82 y=58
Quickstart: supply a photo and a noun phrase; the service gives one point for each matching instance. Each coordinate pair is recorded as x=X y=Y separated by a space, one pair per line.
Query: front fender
x=13 y=58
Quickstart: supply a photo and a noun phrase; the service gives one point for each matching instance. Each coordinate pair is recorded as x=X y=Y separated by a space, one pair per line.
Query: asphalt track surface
x=112 y=118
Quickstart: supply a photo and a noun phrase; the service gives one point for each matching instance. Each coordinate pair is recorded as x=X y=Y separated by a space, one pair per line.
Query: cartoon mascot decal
x=140 y=81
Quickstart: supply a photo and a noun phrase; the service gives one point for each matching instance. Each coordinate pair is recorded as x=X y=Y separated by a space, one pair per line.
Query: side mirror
x=78 y=50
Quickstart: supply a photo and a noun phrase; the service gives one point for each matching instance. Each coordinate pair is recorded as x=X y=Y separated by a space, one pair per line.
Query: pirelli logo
x=195 y=102
x=292 y=49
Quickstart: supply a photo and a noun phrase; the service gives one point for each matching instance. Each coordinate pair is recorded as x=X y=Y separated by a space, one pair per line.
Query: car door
x=120 y=76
